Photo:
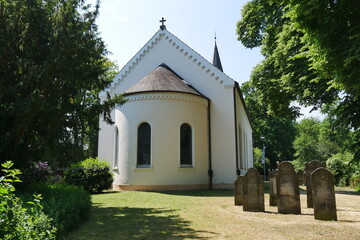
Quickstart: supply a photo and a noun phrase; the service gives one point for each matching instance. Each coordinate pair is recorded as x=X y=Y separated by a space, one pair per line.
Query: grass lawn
x=210 y=215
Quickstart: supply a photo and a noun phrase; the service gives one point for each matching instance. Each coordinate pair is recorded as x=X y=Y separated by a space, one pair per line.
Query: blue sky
x=126 y=25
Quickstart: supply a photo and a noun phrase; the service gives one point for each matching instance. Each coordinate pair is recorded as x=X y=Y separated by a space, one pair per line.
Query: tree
x=278 y=132
x=320 y=140
x=312 y=56
x=52 y=66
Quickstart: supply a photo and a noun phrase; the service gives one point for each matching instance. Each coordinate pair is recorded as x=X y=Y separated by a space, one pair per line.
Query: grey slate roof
x=162 y=79
x=216 y=59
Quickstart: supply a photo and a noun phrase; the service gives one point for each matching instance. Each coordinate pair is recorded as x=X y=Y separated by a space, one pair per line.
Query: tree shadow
x=347 y=192
x=136 y=223
x=202 y=193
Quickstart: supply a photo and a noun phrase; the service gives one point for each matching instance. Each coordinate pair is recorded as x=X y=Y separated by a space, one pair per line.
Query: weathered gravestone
x=238 y=188
x=253 y=191
x=287 y=186
x=273 y=193
x=323 y=194
x=300 y=176
x=309 y=168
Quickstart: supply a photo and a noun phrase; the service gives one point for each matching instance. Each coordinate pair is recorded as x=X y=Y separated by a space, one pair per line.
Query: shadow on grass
x=202 y=193
x=135 y=223
x=347 y=192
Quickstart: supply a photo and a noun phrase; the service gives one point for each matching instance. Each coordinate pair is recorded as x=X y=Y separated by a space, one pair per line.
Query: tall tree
x=278 y=132
x=52 y=66
x=312 y=55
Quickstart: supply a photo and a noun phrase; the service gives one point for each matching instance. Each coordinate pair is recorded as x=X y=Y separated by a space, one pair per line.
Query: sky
x=127 y=25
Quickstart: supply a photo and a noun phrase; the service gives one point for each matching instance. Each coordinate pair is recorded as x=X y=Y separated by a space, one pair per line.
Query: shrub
x=18 y=221
x=355 y=182
x=67 y=205
x=38 y=172
x=338 y=164
x=91 y=174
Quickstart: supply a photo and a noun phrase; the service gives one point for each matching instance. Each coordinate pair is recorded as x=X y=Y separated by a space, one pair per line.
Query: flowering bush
x=17 y=220
x=39 y=172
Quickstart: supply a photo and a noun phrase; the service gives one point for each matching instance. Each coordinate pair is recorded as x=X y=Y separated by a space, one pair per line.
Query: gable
x=166 y=48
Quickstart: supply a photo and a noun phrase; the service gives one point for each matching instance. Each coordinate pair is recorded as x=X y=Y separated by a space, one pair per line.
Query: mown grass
x=209 y=215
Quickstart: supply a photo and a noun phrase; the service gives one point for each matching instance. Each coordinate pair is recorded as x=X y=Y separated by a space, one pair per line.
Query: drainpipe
x=210 y=171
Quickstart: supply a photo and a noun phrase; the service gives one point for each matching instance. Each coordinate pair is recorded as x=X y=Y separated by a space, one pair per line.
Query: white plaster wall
x=165 y=112
x=106 y=140
x=245 y=137
x=164 y=47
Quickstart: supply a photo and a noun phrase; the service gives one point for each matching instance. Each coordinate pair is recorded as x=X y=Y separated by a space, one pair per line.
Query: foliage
x=52 y=66
x=38 y=172
x=257 y=153
x=91 y=174
x=18 y=221
x=339 y=166
x=320 y=140
x=312 y=56
x=67 y=205
x=278 y=132
x=355 y=181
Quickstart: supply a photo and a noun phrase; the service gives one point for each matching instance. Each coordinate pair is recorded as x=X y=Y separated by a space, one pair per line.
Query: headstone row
x=284 y=190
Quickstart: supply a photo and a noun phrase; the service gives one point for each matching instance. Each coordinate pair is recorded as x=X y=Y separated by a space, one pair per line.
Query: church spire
x=216 y=58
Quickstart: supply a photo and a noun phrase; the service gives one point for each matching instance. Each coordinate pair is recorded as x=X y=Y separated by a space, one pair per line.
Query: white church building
x=185 y=125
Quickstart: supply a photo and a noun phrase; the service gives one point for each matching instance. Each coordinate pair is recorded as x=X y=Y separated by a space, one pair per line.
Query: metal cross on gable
x=162 y=27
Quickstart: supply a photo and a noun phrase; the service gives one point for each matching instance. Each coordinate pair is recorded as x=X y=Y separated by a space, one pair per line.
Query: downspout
x=210 y=171
x=236 y=134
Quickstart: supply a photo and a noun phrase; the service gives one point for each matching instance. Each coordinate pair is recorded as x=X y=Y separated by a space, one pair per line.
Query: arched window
x=186 y=145
x=144 y=144
x=116 y=148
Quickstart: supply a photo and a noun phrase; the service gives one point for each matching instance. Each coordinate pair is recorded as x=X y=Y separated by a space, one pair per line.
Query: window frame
x=116 y=148
x=191 y=145
x=148 y=151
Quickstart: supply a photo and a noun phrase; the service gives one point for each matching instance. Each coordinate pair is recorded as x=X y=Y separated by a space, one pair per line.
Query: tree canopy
x=312 y=56
x=278 y=132
x=52 y=66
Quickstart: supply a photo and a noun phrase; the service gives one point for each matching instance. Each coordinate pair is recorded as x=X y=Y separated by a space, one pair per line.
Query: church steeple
x=216 y=58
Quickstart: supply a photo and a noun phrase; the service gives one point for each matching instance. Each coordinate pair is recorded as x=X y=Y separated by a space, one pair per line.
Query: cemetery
x=285 y=191
x=255 y=209
x=117 y=125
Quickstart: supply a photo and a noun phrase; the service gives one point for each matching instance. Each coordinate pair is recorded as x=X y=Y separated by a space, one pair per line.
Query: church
x=184 y=126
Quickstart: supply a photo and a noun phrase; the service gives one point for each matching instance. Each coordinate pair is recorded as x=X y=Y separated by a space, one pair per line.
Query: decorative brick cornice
x=179 y=97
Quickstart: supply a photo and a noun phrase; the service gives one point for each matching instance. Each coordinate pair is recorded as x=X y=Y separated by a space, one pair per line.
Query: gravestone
x=323 y=194
x=238 y=188
x=300 y=176
x=287 y=186
x=253 y=191
x=309 y=168
x=273 y=193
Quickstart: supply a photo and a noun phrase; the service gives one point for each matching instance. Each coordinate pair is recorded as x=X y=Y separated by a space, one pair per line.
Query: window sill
x=186 y=166
x=143 y=168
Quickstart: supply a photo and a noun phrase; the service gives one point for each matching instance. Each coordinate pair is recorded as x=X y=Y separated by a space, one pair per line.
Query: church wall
x=220 y=91
x=165 y=112
x=208 y=80
x=245 y=156
x=106 y=140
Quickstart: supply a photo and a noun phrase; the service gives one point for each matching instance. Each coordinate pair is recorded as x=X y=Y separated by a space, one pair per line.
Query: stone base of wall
x=170 y=187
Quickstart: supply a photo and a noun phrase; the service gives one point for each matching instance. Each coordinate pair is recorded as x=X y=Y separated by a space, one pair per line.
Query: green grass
x=208 y=215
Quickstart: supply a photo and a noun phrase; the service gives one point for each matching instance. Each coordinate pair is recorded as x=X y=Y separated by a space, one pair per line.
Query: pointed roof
x=162 y=79
x=216 y=58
